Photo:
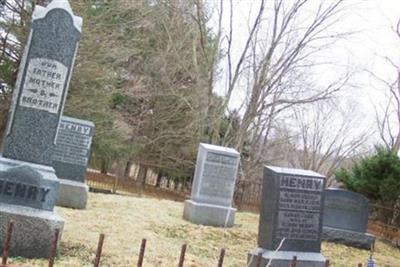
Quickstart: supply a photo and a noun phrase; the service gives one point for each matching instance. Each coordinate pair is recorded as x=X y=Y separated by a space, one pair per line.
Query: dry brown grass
x=125 y=220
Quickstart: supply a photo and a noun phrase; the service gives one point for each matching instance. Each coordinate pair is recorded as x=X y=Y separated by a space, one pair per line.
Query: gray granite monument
x=42 y=84
x=290 y=218
x=345 y=218
x=28 y=183
x=70 y=160
x=213 y=187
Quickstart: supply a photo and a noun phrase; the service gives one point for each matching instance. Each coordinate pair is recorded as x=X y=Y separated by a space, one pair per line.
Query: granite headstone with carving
x=28 y=183
x=70 y=160
x=290 y=218
x=42 y=84
x=345 y=218
x=213 y=187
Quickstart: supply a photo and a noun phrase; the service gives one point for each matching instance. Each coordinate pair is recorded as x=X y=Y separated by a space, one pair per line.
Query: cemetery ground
x=125 y=220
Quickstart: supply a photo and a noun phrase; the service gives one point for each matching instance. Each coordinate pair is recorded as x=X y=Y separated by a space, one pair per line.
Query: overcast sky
x=372 y=22
x=375 y=39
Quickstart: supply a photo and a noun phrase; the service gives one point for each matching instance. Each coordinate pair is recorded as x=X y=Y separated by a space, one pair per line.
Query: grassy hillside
x=126 y=220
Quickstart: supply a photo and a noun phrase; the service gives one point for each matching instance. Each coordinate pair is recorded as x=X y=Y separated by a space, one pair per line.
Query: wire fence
x=108 y=183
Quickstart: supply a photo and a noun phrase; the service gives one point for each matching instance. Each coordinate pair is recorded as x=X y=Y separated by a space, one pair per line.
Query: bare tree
x=325 y=136
x=275 y=69
x=274 y=64
x=388 y=118
x=14 y=18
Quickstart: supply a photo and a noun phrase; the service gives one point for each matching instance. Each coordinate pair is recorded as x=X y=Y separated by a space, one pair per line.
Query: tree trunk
x=141 y=178
x=176 y=185
x=104 y=166
x=127 y=170
x=159 y=178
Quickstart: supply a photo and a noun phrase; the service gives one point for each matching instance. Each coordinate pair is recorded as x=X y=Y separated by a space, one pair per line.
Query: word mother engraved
x=44 y=84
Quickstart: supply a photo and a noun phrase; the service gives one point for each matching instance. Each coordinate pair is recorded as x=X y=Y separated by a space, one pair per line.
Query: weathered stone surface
x=292 y=204
x=34 y=230
x=350 y=238
x=72 y=194
x=215 y=175
x=346 y=218
x=208 y=214
x=72 y=151
x=70 y=160
x=27 y=184
x=291 y=216
x=42 y=84
x=284 y=258
x=345 y=210
x=213 y=186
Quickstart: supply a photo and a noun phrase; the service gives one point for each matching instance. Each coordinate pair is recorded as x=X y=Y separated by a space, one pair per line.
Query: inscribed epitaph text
x=72 y=151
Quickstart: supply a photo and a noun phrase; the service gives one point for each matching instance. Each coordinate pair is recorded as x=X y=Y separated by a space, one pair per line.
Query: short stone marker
x=28 y=193
x=70 y=160
x=28 y=184
x=213 y=187
x=290 y=218
x=345 y=218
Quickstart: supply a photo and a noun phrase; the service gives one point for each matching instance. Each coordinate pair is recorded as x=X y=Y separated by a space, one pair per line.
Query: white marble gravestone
x=213 y=187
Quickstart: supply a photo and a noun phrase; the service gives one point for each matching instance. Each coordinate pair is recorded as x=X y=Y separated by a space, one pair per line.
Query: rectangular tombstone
x=213 y=186
x=42 y=83
x=291 y=216
x=345 y=218
x=28 y=184
x=345 y=210
x=70 y=160
x=72 y=151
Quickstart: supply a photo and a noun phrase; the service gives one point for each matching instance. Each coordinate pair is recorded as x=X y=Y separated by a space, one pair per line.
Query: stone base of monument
x=284 y=258
x=350 y=238
x=33 y=230
x=208 y=214
x=28 y=194
x=72 y=194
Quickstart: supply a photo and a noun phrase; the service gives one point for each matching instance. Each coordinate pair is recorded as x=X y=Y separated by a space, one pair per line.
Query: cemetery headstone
x=28 y=183
x=345 y=218
x=213 y=187
x=70 y=160
x=42 y=84
x=290 y=218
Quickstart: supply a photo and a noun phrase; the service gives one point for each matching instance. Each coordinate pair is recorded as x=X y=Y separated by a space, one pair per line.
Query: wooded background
x=146 y=75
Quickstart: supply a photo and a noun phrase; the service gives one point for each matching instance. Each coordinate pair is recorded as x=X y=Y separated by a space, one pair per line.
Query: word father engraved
x=301 y=183
x=24 y=191
x=44 y=84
